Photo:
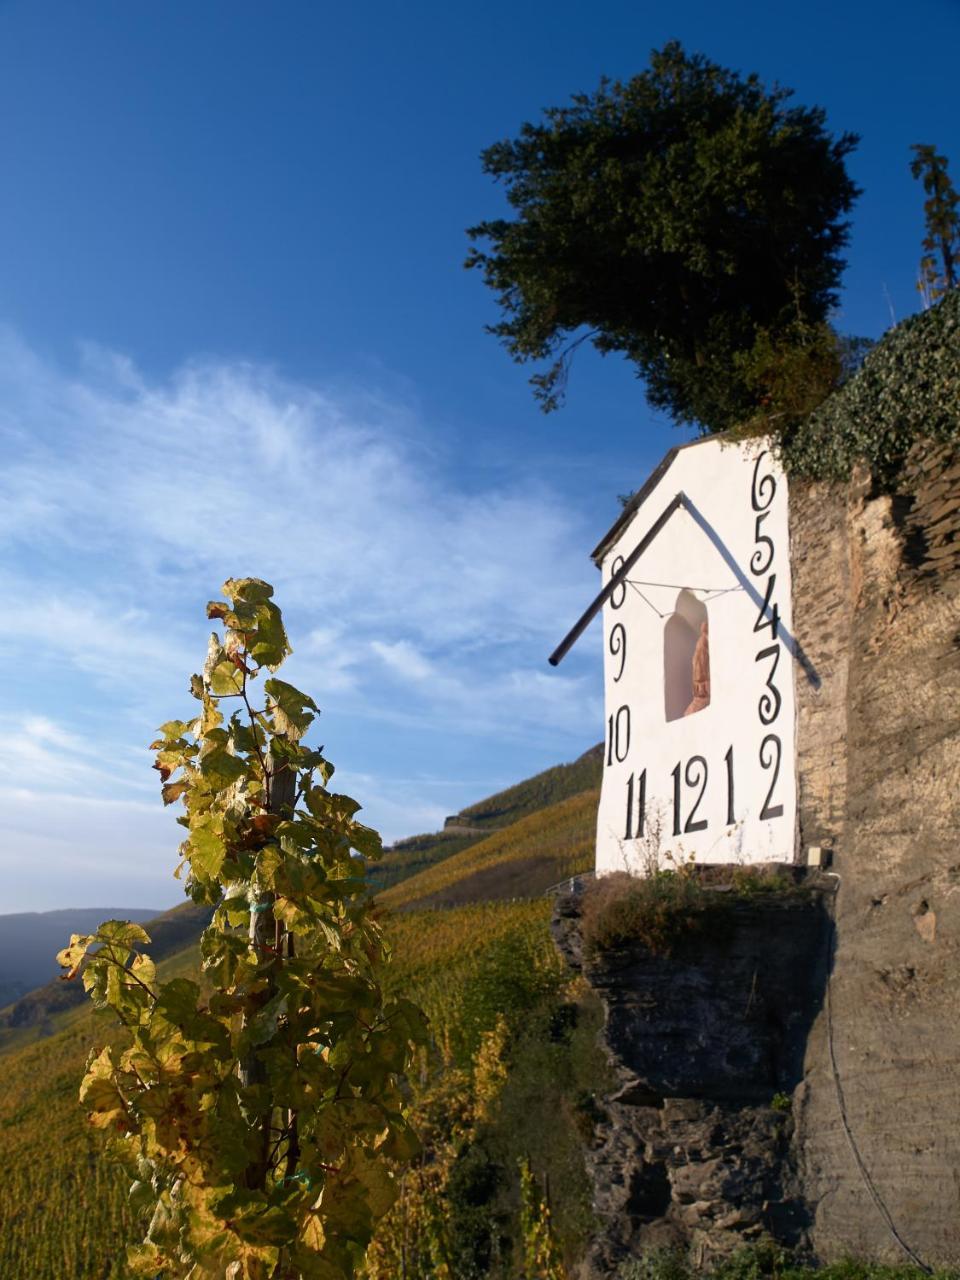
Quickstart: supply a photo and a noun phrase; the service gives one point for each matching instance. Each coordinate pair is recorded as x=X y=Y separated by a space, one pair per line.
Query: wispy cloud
x=416 y=600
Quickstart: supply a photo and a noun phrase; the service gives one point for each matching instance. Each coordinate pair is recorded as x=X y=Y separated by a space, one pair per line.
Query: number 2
x=769 y=810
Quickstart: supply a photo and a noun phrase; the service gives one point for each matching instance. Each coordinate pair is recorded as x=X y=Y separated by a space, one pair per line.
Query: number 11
x=641 y=788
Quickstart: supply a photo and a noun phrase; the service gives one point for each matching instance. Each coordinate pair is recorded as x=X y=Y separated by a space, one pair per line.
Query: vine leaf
x=290 y=708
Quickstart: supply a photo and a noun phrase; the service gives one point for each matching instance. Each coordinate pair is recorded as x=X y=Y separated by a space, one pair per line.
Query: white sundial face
x=699 y=671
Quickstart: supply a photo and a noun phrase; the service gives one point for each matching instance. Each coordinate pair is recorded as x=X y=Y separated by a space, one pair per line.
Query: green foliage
x=758 y=881
x=791 y=372
x=546 y=1113
x=256 y=1117
x=513 y=976
x=470 y=965
x=942 y=213
x=658 y=1264
x=763 y=1261
x=781 y=1102
x=522 y=1099
x=673 y=218
x=541 y=1256
x=908 y=387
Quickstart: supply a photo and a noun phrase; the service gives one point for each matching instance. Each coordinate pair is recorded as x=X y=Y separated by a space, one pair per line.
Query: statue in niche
x=701 y=673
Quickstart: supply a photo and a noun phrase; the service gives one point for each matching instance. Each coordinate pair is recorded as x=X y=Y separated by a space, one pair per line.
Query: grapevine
x=260 y=1111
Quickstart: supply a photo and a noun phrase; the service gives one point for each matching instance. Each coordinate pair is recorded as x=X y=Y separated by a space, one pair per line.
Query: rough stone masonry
x=877 y=610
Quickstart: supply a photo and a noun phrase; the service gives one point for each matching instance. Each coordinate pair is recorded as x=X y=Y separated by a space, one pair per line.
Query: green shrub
x=511 y=977
x=544 y=1116
x=663 y=910
x=657 y=910
x=475 y=1226
x=657 y=1264
x=763 y=1261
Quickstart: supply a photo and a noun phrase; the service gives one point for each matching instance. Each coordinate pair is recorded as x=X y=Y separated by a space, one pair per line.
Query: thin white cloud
x=41 y=757
x=404 y=659
x=414 y=599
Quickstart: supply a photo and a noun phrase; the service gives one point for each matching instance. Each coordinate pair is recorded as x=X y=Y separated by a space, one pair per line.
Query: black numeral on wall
x=770 y=760
x=618 y=735
x=729 y=759
x=773 y=621
x=640 y=787
x=762 y=558
x=762 y=488
x=618 y=594
x=770 y=702
x=692 y=777
x=618 y=647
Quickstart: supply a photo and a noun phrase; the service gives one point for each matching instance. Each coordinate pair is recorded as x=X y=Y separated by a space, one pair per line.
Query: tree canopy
x=677 y=218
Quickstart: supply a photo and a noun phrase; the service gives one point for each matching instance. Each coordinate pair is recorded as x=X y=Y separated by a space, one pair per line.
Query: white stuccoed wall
x=741 y=492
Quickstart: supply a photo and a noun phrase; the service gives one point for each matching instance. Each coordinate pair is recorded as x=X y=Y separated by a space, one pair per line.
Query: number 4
x=773 y=622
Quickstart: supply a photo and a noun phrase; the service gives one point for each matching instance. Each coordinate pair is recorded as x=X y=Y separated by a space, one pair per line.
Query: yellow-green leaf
x=250 y=590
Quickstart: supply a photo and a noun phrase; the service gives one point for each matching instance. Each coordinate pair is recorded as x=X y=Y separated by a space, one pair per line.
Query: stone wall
x=877 y=612
x=693 y=1150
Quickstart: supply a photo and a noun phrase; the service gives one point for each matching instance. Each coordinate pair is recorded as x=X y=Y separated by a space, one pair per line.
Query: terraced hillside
x=520 y=861
x=473 y=824
x=470 y=943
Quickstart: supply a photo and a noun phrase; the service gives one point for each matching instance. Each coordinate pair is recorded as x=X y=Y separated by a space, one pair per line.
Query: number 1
x=729 y=759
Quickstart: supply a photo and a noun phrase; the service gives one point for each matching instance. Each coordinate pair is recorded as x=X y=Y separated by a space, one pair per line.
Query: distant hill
x=30 y=940
x=29 y=1016
x=467 y=828
x=547 y=788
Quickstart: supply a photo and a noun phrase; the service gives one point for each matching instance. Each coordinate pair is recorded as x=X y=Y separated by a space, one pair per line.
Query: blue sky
x=236 y=338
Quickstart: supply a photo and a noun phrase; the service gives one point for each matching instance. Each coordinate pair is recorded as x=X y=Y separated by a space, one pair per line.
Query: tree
x=942 y=212
x=676 y=218
x=258 y=1112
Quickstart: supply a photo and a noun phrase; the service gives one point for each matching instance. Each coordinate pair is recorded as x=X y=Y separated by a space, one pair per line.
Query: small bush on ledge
x=665 y=909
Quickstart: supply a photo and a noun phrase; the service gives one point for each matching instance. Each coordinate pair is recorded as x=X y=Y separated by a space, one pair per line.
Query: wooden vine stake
x=259 y=1112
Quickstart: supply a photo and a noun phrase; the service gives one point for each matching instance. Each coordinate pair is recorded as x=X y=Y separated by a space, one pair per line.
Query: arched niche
x=680 y=635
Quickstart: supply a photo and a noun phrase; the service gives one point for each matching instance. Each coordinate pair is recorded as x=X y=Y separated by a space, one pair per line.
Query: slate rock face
x=691 y=1153
x=877 y=610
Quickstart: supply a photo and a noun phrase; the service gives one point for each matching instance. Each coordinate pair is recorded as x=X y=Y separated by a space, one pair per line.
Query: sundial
x=699 y=718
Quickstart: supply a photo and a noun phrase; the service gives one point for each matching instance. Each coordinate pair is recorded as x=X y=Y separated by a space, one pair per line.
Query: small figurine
x=701 y=673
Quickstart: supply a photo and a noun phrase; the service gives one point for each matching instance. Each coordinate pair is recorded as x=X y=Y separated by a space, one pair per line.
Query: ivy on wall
x=908 y=387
